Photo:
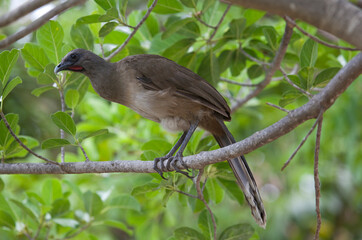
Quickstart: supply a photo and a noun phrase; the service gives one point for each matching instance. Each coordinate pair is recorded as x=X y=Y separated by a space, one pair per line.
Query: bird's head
x=78 y=60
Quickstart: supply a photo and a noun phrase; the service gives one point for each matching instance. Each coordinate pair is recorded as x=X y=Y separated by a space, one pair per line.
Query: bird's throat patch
x=75 y=68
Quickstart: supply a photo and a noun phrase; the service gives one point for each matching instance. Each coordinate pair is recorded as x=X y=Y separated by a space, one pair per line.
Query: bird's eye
x=73 y=56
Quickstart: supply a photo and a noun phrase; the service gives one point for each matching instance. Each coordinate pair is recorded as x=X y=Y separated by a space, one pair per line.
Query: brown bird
x=174 y=96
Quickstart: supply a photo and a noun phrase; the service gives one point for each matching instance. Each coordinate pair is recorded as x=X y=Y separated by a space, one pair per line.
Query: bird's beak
x=61 y=66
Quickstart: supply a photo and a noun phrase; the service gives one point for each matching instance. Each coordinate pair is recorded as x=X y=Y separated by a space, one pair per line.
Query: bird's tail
x=244 y=178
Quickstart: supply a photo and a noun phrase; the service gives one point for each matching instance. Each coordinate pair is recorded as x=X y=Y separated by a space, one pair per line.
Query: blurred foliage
x=143 y=206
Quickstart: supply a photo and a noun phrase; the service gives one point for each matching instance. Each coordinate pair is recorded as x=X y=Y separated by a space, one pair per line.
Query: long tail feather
x=244 y=178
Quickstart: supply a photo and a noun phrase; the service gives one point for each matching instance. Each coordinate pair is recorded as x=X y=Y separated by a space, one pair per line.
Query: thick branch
x=39 y=22
x=321 y=101
x=338 y=17
x=21 y=11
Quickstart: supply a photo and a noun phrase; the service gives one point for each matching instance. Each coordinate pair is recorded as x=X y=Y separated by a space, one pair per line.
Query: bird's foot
x=171 y=162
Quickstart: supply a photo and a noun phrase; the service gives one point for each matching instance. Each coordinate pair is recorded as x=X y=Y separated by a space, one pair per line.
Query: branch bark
x=21 y=11
x=39 y=22
x=321 y=101
x=338 y=17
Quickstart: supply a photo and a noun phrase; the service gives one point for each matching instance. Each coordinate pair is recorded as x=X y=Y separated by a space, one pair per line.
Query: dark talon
x=157 y=169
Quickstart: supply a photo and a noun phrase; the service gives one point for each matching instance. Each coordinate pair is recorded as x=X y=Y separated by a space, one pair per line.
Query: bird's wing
x=159 y=73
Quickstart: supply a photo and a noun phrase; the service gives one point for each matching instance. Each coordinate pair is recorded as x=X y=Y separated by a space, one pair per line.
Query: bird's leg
x=179 y=155
x=168 y=155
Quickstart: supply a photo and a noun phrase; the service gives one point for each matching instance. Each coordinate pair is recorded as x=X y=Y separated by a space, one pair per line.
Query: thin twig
x=84 y=153
x=316 y=178
x=253 y=58
x=39 y=227
x=302 y=142
x=317 y=39
x=237 y=83
x=185 y=193
x=309 y=95
x=278 y=107
x=203 y=22
x=21 y=11
x=21 y=143
x=201 y=197
x=270 y=72
x=79 y=231
x=133 y=32
x=62 y=103
x=39 y=22
x=219 y=23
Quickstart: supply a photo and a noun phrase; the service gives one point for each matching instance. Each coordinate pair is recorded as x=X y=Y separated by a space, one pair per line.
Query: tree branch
x=219 y=23
x=271 y=70
x=322 y=100
x=338 y=17
x=39 y=22
x=317 y=39
x=316 y=178
x=133 y=32
x=21 y=11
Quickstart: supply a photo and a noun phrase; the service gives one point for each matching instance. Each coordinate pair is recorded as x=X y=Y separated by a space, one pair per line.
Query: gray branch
x=21 y=11
x=321 y=101
x=338 y=17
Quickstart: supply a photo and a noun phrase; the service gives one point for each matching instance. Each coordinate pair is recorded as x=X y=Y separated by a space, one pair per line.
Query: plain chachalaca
x=174 y=96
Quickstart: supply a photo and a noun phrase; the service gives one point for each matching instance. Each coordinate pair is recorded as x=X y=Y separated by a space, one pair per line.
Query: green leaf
x=35 y=56
x=6 y=219
x=306 y=75
x=50 y=37
x=125 y=201
x=152 y=24
x=215 y=191
x=236 y=28
x=15 y=150
x=85 y=135
x=10 y=86
x=190 y=3
x=119 y=225
x=186 y=233
x=106 y=4
x=309 y=54
x=7 y=62
x=82 y=37
x=72 y=98
x=225 y=59
x=26 y=210
x=48 y=76
x=111 y=14
x=148 y=187
x=166 y=6
x=209 y=68
x=107 y=28
x=65 y=122
x=1 y=88
x=237 y=232
x=92 y=203
x=206 y=225
x=158 y=145
x=238 y=63
x=5 y=135
x=54 y=143
x=326 y=75
x=51 y=191
x=93 y=18
x=178 y=49
x=252 y=15
x=60 y=207
x=271 y=37
x=2 y=185
x=255 y=71
x=232 y=189
x=289 y=97
x=39 y=91
x=176 y=26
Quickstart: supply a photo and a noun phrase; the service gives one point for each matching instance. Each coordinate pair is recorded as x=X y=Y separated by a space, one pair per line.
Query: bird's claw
x=171 y=162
